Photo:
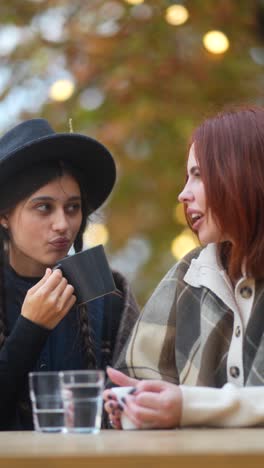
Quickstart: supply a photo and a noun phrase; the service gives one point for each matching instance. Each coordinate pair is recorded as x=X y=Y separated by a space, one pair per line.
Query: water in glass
x=83 y=407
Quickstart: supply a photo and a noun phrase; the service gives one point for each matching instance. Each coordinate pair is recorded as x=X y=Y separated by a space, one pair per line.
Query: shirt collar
x=207 y=271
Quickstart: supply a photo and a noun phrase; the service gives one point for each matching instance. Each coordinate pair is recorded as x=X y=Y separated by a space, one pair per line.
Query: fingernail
x=133 y=390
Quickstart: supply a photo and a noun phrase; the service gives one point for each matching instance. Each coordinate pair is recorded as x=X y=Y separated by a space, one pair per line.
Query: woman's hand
x=49 y=300
x=154 y=404
x=112 y=407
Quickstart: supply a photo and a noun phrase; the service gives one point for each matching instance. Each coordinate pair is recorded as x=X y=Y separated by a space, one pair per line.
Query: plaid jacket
x=184 y=332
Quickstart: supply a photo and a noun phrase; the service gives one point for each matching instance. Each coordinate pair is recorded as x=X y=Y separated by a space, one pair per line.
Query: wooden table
x=199 y=448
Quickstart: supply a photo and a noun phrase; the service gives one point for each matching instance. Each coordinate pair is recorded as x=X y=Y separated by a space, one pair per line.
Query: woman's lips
x=196 y=224
x=61 y=244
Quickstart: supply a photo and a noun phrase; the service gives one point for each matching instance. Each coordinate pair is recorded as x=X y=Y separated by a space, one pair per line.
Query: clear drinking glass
x=82 y=398
x=46 y=399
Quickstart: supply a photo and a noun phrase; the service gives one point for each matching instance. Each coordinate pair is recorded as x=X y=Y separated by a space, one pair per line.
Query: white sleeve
x=229 y=406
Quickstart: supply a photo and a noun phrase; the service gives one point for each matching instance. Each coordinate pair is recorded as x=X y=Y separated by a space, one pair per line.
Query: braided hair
x=13 y=192
x=86 y=332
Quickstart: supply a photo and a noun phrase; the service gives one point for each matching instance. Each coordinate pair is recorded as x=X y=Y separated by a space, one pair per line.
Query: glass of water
x=82 y=398
x=46 y=399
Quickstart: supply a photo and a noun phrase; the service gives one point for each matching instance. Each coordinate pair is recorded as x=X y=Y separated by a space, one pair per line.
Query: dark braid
x=3 y=330
x=86 y=331
x=87 y=337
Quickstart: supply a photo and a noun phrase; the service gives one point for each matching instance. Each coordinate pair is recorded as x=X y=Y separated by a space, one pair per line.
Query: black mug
x=89 y=273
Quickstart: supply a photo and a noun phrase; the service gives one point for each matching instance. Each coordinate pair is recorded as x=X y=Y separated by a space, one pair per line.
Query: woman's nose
x=60 y=222
x=185 y=196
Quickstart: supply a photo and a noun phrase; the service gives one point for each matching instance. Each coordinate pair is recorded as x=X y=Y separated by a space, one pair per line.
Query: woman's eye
x=44 y=208
x=73 y=208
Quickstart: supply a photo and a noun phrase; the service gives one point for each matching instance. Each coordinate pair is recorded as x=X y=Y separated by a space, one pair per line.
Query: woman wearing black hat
x=49 y=185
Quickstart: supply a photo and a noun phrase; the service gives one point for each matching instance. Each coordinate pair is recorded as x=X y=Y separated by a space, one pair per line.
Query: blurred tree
x=140 y=86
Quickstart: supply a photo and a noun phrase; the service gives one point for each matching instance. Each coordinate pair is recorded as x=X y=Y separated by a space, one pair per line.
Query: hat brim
x=88 y=155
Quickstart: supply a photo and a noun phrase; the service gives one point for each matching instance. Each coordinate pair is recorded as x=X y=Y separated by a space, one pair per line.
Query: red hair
x=229 y=149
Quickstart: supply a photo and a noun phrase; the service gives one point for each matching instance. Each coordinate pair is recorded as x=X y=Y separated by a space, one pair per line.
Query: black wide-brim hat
x=34 y=141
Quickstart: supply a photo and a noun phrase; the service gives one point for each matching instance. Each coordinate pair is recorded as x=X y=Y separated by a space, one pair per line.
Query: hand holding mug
x=153 y=404
x=48 y=301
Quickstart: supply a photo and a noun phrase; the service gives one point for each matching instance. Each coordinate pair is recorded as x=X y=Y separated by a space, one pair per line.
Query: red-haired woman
x=199 y=342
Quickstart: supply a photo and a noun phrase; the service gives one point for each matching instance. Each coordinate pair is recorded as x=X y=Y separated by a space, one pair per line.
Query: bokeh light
x=134 y=2
x=176 y=15
x=61 y=90
x=92 y=98
x=95 y=234
x=183 y=243
x=216 y=42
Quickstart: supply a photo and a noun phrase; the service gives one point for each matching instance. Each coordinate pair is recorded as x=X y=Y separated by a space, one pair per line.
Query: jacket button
x=246 y=292
x=238 y=331
x=234 y=372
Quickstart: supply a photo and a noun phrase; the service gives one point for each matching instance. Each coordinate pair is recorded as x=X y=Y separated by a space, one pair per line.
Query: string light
x=176 y=15
x=216 y=42
x=61 y=90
